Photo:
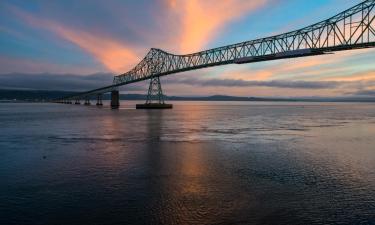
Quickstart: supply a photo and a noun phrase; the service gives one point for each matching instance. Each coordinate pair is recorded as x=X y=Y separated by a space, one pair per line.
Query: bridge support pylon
x=87 y=101
x=99 y=101
x=115 y=99
x=155 y=97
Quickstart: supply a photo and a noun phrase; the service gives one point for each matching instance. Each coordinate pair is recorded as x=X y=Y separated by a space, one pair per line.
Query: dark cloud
x=366 y=93
x=72 y=82
x=47 y=81
x=244 y=83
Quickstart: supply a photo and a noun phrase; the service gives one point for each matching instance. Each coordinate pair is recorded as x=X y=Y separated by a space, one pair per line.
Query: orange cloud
x=172 y=3
x=114 y=55
x=202 y=20
x=308 y=66
x=248 y=75
x=354 y=77
x=197 y=23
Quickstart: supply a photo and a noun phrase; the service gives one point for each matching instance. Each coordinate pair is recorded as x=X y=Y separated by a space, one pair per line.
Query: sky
x=78 y=45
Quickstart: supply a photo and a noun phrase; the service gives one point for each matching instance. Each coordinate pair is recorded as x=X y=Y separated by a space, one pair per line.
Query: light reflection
x=180 y=170
x=111 y=148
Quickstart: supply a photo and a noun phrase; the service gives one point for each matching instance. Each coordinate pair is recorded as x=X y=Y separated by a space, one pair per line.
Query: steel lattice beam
x=351 y=29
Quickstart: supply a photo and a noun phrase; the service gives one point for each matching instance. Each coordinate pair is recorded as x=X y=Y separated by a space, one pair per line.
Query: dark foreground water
x=200 y=163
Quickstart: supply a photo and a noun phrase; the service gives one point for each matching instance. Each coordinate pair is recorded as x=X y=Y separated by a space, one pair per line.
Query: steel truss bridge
x=348 y=30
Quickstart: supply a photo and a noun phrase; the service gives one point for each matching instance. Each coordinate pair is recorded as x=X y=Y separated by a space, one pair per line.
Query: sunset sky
x=79 y=45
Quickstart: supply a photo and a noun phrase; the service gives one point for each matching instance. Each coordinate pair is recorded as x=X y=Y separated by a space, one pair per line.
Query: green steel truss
x=351 y=29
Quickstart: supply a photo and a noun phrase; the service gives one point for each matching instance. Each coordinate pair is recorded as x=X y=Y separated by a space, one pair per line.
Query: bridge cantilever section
x=352 y=29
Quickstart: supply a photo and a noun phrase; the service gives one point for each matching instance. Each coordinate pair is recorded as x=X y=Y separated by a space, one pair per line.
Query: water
x=200 y=163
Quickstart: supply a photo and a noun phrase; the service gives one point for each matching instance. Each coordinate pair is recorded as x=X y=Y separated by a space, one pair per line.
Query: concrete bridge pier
x=115 y=99
x=87 y=101
x=77 y=102
x=99 y=99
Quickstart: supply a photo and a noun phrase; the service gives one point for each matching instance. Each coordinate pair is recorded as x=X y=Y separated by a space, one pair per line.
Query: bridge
x=349 y=30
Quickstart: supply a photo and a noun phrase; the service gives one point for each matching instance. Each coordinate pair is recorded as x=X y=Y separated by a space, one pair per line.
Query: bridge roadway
x=349 y=30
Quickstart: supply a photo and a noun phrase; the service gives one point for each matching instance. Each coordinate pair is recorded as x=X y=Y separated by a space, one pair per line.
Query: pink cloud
x=201 y=21
x=365 y=76
x=116 y=56
x=197 y=23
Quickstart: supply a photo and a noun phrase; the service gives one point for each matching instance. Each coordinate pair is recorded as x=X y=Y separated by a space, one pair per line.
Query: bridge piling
x=87 y=101
x=99 y=101
x=115 y=99
x=155 y=97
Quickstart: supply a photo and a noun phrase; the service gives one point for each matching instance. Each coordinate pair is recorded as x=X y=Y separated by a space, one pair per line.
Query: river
x=199 y=163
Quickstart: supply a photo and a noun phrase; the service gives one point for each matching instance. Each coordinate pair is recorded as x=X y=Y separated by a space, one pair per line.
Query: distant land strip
x=45 y=96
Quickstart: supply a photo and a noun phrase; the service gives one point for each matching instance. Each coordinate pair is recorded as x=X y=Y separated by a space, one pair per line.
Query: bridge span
x=349 y=30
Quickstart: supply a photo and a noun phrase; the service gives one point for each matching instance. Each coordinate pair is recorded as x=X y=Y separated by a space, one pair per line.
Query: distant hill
x=31 y=95
x=40 y=96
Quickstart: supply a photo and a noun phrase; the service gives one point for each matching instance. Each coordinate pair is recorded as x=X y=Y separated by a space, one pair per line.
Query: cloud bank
x=183 y=85
x=246 y=83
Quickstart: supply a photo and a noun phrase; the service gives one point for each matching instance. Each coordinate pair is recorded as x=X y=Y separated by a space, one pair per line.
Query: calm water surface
x=200 y=163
